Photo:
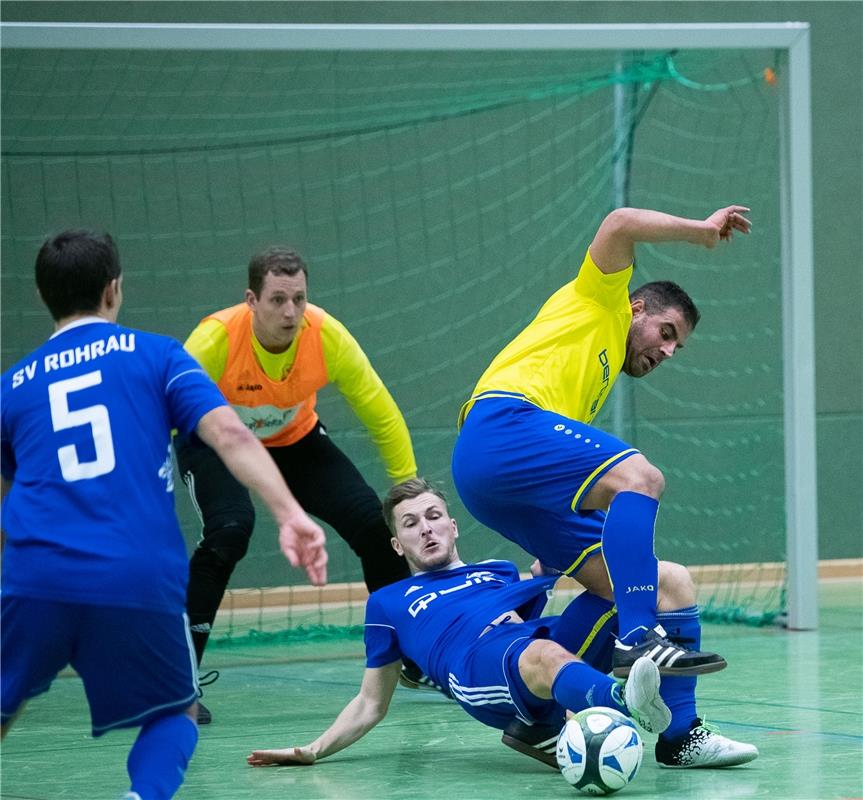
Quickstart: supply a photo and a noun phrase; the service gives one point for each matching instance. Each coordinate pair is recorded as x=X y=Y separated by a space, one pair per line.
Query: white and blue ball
x=599 y=751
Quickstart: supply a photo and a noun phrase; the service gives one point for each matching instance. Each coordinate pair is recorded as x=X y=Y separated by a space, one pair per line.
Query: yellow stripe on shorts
x=601 y=468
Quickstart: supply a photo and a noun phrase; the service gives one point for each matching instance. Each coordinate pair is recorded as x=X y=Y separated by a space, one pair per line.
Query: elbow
x=223 y=430
x=619 y=221
x=233 y=436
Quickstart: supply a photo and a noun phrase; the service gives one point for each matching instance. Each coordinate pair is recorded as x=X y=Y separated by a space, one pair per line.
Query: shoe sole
x=731 y=761
x=658 y=714
x=702 y=669
x=549 y=759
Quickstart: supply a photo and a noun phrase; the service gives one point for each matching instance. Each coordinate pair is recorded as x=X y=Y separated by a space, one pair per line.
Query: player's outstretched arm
x=613 y=246
x=356 y=719
x=300 y=538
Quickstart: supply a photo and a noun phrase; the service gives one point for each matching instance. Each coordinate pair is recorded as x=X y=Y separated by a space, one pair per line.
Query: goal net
x=438 y=197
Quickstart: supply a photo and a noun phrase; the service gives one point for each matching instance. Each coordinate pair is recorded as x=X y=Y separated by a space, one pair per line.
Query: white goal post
x=791 y=39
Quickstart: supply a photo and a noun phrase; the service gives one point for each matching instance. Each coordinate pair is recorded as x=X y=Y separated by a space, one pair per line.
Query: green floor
x=797 y=696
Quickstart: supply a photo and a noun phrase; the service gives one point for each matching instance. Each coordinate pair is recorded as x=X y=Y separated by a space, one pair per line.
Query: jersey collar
x=77 y=324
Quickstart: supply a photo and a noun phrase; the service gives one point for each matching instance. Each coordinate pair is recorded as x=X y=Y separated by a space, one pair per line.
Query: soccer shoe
x=536 y=741
x=671 y=658
x=204 y=715
x=411 y=677
x=703 y=746
x=642 y=698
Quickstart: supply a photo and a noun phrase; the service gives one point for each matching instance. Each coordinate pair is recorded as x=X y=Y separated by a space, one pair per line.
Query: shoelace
x=710 y=728
x=206 y=679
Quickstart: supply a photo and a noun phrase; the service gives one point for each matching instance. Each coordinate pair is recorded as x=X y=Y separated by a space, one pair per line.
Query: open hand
x=721 y=224
x=302 y=542
x=291 y=756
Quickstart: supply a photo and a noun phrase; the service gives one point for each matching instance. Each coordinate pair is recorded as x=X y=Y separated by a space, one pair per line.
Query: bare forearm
x=613 y=247
x=645 y=225
x=356 y=719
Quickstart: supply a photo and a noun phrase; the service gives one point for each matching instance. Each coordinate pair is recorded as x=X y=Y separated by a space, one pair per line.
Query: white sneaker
x=703 y=746
x=642 y=698
x=131 y=796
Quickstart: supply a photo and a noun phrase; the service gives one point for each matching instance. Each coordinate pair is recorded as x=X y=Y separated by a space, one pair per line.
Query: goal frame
x=791 y=39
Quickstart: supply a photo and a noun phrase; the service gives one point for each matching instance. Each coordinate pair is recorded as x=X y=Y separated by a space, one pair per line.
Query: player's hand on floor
x=300 y=756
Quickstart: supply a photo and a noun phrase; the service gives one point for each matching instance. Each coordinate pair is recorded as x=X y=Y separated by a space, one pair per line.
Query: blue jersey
x=86 y=433
x=432 y=617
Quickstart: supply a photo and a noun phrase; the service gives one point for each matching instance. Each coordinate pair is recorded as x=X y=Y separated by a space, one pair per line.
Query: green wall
x=837 y=30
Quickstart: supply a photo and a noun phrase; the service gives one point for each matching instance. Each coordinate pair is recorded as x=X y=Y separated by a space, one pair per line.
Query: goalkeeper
x=270 y=355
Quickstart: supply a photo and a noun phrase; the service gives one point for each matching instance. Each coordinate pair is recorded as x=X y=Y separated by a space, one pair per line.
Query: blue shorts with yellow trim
x=524 y=471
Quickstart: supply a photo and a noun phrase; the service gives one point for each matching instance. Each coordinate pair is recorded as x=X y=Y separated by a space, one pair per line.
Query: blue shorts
x=524 y=472
x=486 y=683
x=136 y=665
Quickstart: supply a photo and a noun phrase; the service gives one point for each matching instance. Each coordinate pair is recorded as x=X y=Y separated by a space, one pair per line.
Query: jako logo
x=649 y=587
x=249 y=387
x=606 y=374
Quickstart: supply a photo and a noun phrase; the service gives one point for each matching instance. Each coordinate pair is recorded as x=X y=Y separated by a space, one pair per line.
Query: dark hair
x=278 y=260
x=659 y=295
x=72 y=270
x=413 y=487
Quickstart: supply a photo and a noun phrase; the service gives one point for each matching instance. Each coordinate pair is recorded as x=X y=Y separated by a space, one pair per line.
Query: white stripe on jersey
x=180 y=375
x=479 y=695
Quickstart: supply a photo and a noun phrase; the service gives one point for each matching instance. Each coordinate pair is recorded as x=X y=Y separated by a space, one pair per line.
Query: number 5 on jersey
x=96 y=416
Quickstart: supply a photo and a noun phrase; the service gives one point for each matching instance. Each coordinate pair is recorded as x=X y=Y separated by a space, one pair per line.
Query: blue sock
x=586 y=628
x=627 y=545
x=578 y=686
x=157 y=761
x=684 y=627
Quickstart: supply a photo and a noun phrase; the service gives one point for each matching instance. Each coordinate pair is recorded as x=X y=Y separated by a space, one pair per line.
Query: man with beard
x=529 y=463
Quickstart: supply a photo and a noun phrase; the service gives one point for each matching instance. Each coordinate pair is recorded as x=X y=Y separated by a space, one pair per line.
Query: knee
x=227 y=544
x=635 y=474
x=646 y=479
x=676 y=587
x=235 y=516
x=540 y=663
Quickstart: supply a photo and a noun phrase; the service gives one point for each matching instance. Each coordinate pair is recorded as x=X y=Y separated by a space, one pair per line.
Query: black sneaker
x=204 y=715
x=703 y=746
x=537 y=741
x=411 y=677
x=671 y=658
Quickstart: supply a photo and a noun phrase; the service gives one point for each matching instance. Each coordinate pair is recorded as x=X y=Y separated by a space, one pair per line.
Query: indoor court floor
x=797 y=696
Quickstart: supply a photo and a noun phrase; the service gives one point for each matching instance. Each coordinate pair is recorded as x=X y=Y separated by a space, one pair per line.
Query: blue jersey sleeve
x=190 y=392
x=382 y=645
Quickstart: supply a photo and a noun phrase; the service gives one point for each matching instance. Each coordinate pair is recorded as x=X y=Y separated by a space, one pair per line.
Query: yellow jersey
x=347 y=366
x=567 y=359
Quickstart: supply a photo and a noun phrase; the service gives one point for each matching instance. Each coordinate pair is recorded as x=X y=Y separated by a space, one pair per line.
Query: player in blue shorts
x=474 y=629
x=94 y=565
x=529 y=464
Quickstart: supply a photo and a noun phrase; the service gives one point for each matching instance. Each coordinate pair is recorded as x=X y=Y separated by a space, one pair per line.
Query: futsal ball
x=599 y=751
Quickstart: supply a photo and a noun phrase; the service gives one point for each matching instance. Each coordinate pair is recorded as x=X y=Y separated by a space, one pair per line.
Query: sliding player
x=474 y=629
